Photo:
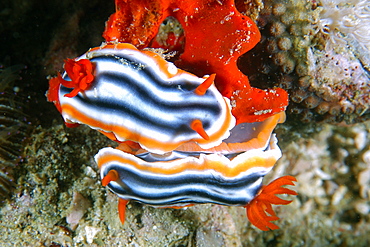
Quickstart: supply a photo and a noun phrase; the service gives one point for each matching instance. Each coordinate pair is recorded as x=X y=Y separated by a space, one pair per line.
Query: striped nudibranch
x=179 y=144
x=138 y=96
x=225 y=175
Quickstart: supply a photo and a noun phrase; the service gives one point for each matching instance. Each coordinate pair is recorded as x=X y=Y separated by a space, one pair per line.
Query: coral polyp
x=343 y=20
x=319 y=51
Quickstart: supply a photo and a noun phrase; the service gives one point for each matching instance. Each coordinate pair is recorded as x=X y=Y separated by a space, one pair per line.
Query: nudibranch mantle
x=184 y=178
x=138 y=96
x=230 y=174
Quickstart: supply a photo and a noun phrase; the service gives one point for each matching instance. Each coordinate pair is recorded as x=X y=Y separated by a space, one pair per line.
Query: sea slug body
x=183 y=139
x=230 y=174
x=138 y=96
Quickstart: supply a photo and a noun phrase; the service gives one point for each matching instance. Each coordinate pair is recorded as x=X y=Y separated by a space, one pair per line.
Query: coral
x=280 y=57
x=342 y=64
x=319 y=54
x=331 y=168
x=342 y=81
x=205 y=51
x=343 y=20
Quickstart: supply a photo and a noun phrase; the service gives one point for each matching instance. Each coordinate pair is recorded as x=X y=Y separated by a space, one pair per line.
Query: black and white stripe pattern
x=131 y=90
x=178 y=179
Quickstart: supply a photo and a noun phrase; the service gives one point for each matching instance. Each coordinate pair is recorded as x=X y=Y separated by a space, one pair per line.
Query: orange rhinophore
x=197 y=126
x=202 y=88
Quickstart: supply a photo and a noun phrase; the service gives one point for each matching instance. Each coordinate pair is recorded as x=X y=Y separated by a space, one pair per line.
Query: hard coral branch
x=259 y=210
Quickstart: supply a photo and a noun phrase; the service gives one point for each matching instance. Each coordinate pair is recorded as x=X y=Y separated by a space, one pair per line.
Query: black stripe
x=202 y=184
x=192 y=110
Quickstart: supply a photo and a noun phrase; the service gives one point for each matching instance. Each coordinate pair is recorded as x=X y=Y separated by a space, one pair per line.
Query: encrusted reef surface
x=58 y=199
x=319 y=52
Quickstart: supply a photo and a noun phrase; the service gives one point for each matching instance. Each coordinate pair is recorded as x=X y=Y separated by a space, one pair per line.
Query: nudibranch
x=183 y=139
x=135 y=95
x=229 y=174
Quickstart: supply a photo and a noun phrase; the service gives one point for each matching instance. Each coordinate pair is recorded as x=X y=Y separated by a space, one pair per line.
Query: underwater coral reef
x=315 y=50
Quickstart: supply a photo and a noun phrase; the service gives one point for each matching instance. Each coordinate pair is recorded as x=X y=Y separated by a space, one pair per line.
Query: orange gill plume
x=81 y=74
x=259 y=210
